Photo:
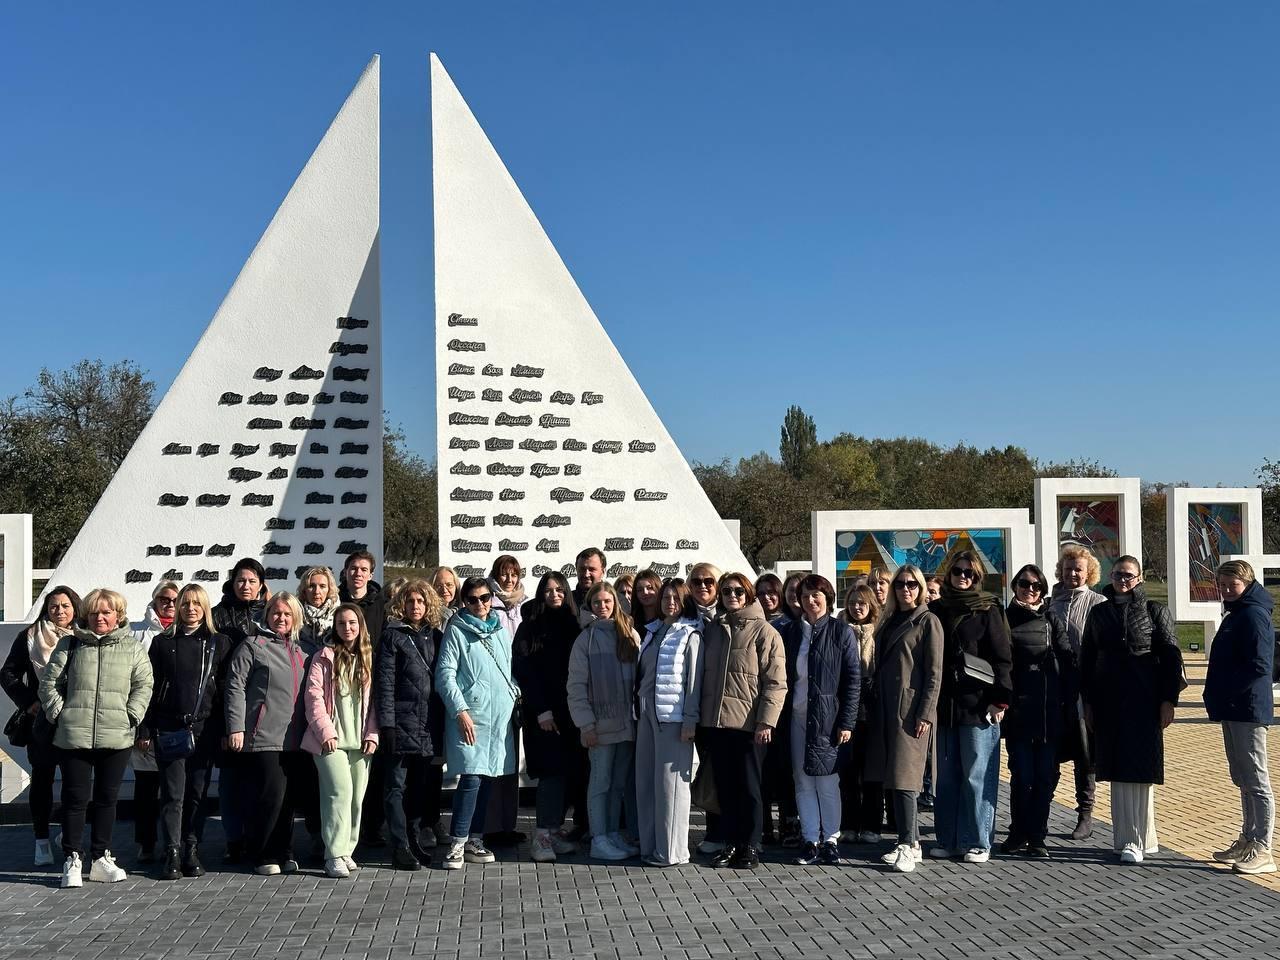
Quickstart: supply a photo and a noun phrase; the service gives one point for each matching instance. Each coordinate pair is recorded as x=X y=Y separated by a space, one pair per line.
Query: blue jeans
x=469 y=796
x=964 y=806
x=611 y=789
x=1033 y=771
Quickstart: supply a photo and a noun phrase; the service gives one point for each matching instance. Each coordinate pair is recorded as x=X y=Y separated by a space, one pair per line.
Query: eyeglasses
x=1119 y=577
x=702 y=581
x=166 y=601
x=733 y=592
x=1035 y=586
x=966 y=573
x=905 y=585
x=476 y=599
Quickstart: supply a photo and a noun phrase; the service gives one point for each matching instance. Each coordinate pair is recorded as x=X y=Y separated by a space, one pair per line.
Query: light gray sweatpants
x=1246 y=745
x=664 y=770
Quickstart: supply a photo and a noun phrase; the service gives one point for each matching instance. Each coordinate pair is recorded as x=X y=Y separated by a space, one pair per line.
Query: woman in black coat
x=1237 y=694
x=20 y=679
x=540 y=665
x=1044 y=684
x=975 y=642
x=403 y=695
x=824 y=683
x=187 y=661
x=1131 y=675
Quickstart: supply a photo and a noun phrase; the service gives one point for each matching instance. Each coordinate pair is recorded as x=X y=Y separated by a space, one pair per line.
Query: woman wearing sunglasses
x=1130 y=675
x=744 y=687
x=1044 y=681
x=901 y=714
x=473 y=678
x=976 y=690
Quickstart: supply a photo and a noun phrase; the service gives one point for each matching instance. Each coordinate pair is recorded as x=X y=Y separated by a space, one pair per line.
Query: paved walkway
x=1080 y=904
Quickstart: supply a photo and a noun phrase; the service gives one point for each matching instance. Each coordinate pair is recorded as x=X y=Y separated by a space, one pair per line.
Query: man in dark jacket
x=359 y=587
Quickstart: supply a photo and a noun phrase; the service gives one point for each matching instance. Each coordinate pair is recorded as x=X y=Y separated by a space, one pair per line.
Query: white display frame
x=1015 y=522
x=1049 y=490
x=1183 y=608
x=16 y=533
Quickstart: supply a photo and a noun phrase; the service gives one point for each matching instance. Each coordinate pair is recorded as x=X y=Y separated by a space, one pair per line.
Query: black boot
x=191 y=865
x=172 y=869
x=1084 y=826
x=402 y=858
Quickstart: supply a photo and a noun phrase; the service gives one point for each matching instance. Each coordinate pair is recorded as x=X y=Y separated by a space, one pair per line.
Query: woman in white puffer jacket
x=669 y=684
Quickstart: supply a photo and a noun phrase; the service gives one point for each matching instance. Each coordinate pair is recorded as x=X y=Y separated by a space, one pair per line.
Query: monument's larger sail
x=546 y=442
x=269 y=442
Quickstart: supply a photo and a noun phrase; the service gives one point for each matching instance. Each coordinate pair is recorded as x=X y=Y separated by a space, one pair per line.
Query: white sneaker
x=620 y=841
x=977 y=855
x=905 y=861
x=1233 y=853
x=602 y=848
x=267 y=869
x=562 y=844
x=1257 y=859
x=476 y=852
x=336 y=868
x=456 y=857
x=542 y=850
x=892 y=855
x=1132 y=853
x=44 y=854
x=71 y=875
x=352 y=866
x=709 y=847
x=105 y=870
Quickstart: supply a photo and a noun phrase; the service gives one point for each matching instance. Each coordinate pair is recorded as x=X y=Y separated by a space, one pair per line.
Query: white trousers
x=1133 y=816
x=817 y=798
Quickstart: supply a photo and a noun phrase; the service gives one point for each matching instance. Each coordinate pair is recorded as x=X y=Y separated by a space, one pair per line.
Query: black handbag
x=19 y=728
x=517 y=709
x=978 y=669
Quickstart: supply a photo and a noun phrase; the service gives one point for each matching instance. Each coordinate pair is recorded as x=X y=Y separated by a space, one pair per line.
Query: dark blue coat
x=402 y=687
x=1238 y=686
x=835 y=682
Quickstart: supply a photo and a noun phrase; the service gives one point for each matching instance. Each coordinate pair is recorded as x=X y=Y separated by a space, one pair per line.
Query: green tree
x=799 y=437
x=62 y=440
x=770 y=503
x=410 y=518
x=1269 y=475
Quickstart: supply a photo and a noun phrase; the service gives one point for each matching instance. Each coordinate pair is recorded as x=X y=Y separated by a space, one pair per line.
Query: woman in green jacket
x=96 y=689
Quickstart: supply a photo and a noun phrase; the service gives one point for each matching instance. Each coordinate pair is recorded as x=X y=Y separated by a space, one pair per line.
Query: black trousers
x=268 y=827
x=737 y=764
x=146 y=807
x=90 y=786
x=184 y=785
x=779 y=784
x=44 y=767
x=371 y=808
x=404 y=785
x=905 y=813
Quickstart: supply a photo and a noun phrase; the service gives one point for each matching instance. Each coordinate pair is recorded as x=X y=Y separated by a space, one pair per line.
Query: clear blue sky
x=1053 y=225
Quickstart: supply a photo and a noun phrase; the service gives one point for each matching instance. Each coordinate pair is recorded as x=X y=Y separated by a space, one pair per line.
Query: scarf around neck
x=955 y=606
x=510 y=599
x=44 y=636
x=320 y=619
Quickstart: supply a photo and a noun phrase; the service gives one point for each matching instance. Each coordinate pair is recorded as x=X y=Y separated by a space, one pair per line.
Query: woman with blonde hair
x=1237 y=694
x=318 y=594
x=184 y=725
x=96 y=689
x=903 y=708
x=601 y=689
x=263 y=692
x=411 y=722
x=861 y=800
x=744 y=689
x=445 y=583
x=342 y=733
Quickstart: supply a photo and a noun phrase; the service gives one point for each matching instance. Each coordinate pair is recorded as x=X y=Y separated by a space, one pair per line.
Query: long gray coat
x=907 y=681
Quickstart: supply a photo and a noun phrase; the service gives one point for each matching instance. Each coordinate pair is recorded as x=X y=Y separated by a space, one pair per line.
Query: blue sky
x=1053 y=225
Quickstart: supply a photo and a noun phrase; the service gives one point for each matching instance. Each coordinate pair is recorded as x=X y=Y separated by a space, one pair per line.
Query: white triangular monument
x=547 y=444
x=269 y=442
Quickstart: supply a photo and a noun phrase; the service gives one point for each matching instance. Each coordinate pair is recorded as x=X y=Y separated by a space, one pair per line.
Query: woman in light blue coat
x=473 y=678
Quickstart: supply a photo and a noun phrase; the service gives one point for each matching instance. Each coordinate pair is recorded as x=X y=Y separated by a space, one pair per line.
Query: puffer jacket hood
x=97 y=689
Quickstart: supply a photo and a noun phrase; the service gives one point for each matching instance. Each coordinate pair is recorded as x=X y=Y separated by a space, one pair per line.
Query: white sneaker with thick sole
x=906 y=859
x=105 y=870
x=267 y=869
x=1132 y=853
x=1234 y=852
x=456 y=857
x=336 y=868
x=44 y=854
x=620 y=841
x=351 y=864
x=542 y=850
x=1257 y=859
x=977 y=855
x=602 y=848
x=476 y=852
x=71 y=872
x=892 y=856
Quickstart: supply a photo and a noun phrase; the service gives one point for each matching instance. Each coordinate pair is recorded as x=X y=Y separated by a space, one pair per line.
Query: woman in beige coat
x=744 y=686
x=904 y=705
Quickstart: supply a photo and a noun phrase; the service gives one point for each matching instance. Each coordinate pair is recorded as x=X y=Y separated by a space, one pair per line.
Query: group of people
x=632 y=702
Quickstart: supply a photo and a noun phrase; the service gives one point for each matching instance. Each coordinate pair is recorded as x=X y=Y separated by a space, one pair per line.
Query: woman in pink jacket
x=342 y=733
